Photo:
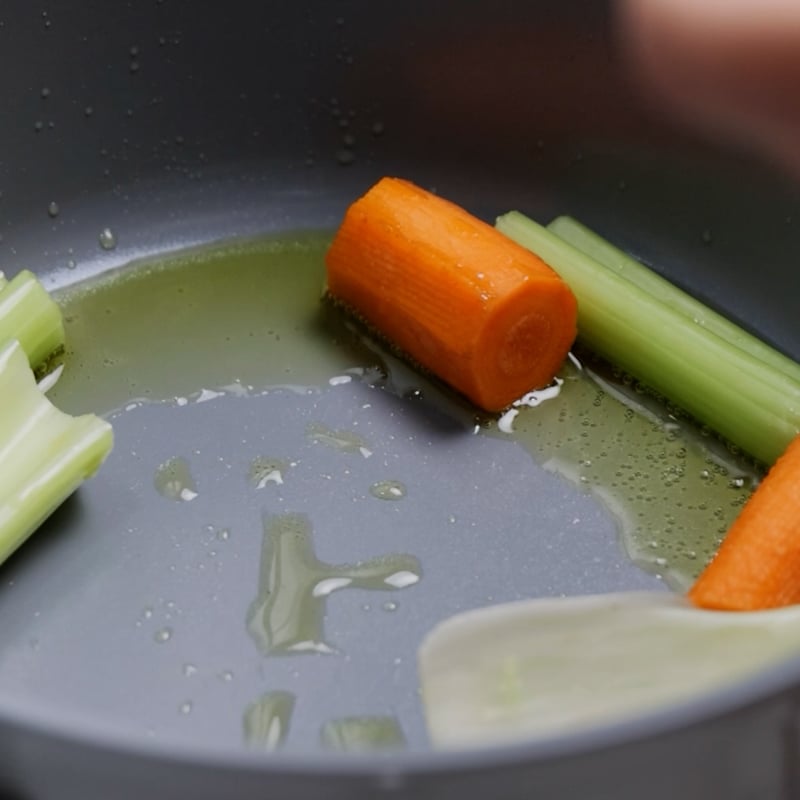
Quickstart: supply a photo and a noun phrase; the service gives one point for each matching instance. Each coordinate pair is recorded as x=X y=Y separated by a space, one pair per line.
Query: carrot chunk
x=457 y=297
x=758 y=563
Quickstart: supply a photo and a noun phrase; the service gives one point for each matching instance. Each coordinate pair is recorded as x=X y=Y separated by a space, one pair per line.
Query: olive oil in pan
x=244 y=316
x=266 y=721
x=235 y=315
x=673 y=490
x=345 y=441
x=174 y=480
x=264 y=471
x=388 y=490
x=359 y=734
x=287 y=615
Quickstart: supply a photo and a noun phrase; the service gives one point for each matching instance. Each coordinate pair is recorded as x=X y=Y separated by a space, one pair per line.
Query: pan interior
x=289 y=509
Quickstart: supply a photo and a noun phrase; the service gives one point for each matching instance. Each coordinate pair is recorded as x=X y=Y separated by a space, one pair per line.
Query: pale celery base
x=555 y=666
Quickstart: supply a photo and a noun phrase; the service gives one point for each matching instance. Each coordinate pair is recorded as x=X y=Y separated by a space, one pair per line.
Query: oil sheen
x=241 y=316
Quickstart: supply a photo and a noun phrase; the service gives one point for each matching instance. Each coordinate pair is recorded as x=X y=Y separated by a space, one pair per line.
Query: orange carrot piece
x=459 y=298
x=758 y=563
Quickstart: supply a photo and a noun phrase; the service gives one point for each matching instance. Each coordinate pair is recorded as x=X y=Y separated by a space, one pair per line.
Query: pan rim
x=769 y=683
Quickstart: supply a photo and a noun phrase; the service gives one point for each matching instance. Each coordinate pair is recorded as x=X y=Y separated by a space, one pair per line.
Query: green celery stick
x=587 y=241
x=29 y=315
x=748 y=402
x=45 y=454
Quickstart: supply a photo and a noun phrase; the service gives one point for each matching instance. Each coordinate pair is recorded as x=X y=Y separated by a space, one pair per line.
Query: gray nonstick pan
x=161 y=635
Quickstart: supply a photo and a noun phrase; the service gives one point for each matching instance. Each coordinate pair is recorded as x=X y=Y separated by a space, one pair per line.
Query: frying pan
x=176 y=123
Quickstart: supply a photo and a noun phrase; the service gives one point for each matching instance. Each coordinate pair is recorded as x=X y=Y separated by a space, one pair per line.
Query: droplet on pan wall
x=107 y=239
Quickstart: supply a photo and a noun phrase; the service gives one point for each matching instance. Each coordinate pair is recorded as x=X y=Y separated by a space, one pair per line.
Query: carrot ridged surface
x=758 y=563
x=456 y=296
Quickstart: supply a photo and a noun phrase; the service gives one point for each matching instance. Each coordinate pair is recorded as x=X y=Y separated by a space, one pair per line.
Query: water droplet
x=71 y=264
x=223 y=534
x=163 y=635
x=45 y=93
x=107 y=239
x=390 y=606
x=378 y=128
x=185 y=707
x=189 y=670
x=345 y=157
x=134 y=66
x=134 y=51
x=388 y=490
x=53 y=210
x=38 y=126
x=88 y=111
x=226 y=675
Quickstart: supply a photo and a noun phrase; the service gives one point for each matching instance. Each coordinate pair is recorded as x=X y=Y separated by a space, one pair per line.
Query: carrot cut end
x=452 y=293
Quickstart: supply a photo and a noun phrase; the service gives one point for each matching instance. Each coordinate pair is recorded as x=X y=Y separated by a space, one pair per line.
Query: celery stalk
x=587 y=241
x=561 y=665
x=45 y=454
x=748 y=402
x=29 y=315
